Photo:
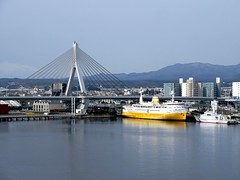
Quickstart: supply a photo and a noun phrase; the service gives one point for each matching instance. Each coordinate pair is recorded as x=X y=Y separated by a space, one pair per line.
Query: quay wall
x=11 y=117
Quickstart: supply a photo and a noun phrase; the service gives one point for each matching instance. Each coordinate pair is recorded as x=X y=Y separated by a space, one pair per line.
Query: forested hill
x=199 y=71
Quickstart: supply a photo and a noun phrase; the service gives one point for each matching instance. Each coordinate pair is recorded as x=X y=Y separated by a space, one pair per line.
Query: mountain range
x=199 y=71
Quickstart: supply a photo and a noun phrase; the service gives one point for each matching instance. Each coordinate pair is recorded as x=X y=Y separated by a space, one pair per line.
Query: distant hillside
x=199 y=71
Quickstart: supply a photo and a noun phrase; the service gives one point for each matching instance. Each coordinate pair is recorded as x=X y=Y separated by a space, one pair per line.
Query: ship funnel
x=155 y=100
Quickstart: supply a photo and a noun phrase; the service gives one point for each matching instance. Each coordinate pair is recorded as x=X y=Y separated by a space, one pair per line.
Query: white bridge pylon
x=74 y=70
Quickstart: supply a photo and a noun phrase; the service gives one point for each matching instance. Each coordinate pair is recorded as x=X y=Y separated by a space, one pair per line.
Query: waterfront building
x=208 y=89
x=47 y=107
x=193 y=88
x=4 y=109
x=180 y=85
x=226 y=92
x=58 y=89
x=199 y=91
x=189 y=90
x=236 y=90
x=218 y=87
x=184 y=89
x=181 y=80
x=168 y=88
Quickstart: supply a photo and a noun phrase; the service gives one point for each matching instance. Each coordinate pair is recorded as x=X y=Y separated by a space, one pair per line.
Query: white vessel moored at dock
x=213 y=117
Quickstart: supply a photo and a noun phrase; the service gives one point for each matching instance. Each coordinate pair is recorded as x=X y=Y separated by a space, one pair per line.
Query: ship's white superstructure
x=213 y=117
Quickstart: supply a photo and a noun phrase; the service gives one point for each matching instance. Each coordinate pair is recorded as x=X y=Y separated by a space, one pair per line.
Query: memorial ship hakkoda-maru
x=171 y=110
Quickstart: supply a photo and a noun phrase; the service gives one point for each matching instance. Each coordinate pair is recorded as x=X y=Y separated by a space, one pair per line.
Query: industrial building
x=47 y=107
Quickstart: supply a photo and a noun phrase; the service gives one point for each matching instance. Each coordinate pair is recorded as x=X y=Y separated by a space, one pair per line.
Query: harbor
x=118 y=149
x=96 y=111
x=119 y=90
x=89 y=91
x=102 y=129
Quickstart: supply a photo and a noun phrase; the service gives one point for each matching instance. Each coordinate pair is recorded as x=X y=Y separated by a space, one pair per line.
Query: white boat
x=213 y=117
x=171 y=110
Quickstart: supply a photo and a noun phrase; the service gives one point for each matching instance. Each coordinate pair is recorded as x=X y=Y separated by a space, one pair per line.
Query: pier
x=37 y=117
x=26 y=117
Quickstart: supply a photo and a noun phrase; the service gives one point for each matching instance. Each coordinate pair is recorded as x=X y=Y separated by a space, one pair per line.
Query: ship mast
x=141 y=97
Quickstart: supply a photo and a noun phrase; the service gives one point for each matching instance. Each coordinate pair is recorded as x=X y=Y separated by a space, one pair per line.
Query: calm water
x=118 y=149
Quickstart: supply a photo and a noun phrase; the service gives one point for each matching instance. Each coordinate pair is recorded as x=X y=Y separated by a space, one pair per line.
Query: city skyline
x=123 y=36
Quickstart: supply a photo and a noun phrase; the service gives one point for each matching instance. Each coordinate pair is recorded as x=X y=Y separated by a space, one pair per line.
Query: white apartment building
x=236 y=90
x=184 y=89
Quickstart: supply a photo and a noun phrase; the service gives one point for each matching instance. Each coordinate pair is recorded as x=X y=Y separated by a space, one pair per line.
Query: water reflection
x=213 y=126
x=122 y=149
x=4 y=127
x=143 y=123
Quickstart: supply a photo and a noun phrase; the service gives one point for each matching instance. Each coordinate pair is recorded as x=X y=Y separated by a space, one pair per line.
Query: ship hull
x=215 y=119
x=179 y=116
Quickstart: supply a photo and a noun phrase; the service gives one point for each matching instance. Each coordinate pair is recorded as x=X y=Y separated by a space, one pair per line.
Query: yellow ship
x=171 y=110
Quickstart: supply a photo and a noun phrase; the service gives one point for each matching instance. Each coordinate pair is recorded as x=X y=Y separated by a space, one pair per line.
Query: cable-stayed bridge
x=76 y=63
x=88 y=72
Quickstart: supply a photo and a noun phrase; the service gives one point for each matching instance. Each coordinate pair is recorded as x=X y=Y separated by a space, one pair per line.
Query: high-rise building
x=198 y=90
x=181 y=86
x=193 y=88
x=208 y=89
x=168 y=88
x=181 y=80
x=184 y=89
x=218 y=87
x=190 y=87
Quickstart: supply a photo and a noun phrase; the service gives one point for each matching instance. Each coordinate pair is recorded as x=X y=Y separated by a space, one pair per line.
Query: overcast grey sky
x=122 y=35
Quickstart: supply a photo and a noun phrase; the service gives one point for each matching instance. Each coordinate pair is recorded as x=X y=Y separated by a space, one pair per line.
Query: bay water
x=119 y=149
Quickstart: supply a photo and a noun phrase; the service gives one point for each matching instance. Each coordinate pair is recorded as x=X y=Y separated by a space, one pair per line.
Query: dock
x=32 y=117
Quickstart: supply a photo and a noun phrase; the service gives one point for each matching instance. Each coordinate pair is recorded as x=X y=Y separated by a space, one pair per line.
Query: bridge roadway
x=105 y=97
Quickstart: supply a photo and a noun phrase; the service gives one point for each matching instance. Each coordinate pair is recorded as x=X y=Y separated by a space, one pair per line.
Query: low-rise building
x=47 y=107
x=236 y=90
